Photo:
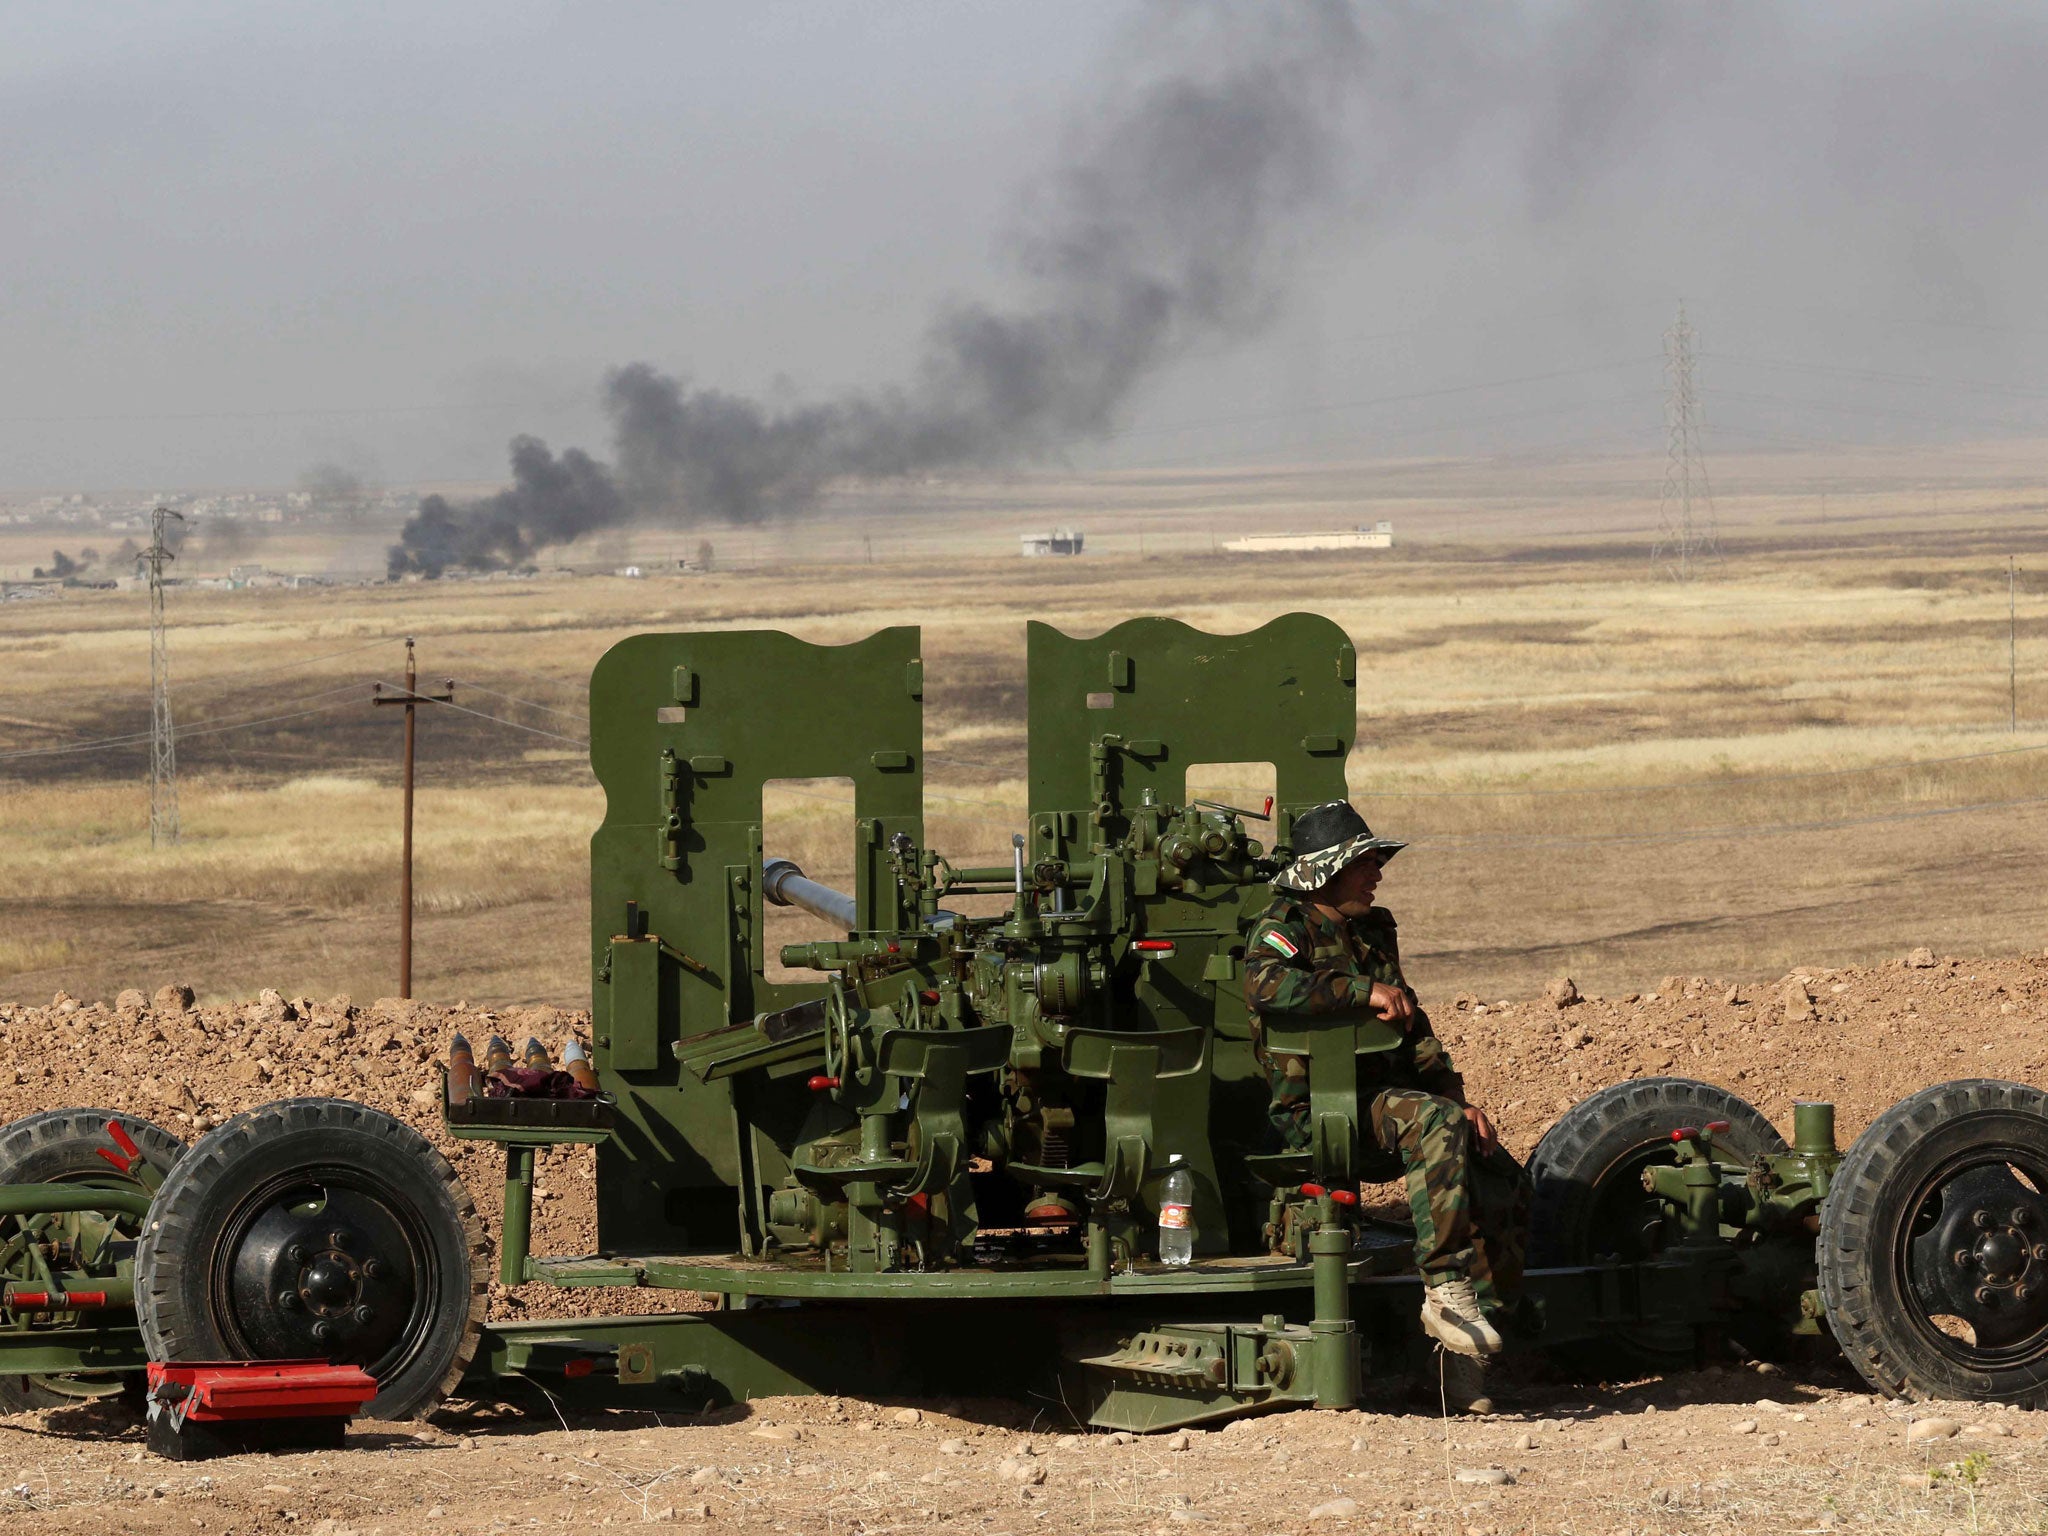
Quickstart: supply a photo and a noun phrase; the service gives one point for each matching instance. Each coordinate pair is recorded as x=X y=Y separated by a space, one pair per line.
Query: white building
x=1057 y=541
x=1378 y=536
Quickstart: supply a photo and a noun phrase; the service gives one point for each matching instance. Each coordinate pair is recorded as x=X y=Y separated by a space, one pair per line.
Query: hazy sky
x=242 y=238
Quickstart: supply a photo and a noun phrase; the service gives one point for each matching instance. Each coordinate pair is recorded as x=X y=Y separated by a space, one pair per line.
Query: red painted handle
x=1340 y=1196
x=820 y=1083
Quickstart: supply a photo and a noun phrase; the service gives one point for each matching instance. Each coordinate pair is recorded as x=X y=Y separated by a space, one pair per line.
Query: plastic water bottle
x=1176 y=1213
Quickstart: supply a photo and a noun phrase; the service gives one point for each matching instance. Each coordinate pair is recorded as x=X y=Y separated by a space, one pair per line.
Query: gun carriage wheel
x=1590 y=1205
x=1933 y=1249
x=74 y=1146
x=317 y=1229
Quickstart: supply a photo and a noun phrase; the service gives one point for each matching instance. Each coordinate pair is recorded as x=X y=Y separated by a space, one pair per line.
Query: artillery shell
x=497 y=1054
x=536 y=1057
x=462 y=1079
x=576 y=1062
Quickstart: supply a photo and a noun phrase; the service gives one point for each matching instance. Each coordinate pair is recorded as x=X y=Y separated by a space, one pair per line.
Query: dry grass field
x=1804 y=757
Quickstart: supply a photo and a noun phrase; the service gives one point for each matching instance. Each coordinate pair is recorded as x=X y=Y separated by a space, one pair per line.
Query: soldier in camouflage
x=1322 y=950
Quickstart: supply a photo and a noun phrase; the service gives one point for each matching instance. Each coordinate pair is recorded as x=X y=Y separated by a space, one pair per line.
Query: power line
x=2002 y=423
x=293 y=666
x=533 y=730
x=204 y=728
x=550 y=709
x=498 y=664
x=1880 y=376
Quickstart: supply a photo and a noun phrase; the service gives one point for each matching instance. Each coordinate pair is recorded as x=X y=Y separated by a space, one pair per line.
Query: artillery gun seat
x=1131 y=1065
x=930 y=1068
x=1340 y=1153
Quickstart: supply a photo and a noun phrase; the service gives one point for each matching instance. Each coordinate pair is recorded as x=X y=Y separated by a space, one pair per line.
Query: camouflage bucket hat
x=1326 y=838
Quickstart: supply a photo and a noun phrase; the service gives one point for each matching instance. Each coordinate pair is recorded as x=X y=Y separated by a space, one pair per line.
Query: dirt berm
x=1863 y=1037
x=1719 y=1450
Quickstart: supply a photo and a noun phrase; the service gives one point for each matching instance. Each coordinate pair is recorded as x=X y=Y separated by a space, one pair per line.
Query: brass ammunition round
x=576 y=1062
x=462 y=1078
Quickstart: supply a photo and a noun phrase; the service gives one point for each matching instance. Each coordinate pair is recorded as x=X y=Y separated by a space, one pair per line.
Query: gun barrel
x=784 y=885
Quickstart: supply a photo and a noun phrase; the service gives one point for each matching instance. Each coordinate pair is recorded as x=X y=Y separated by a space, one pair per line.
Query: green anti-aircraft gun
x=860 y=1166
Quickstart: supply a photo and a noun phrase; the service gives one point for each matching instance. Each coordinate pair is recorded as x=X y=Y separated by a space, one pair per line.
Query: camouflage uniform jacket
x=1301 y=959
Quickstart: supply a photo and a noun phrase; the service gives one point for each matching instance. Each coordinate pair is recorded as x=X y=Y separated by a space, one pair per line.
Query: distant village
x=97 y=538
x=95 y=542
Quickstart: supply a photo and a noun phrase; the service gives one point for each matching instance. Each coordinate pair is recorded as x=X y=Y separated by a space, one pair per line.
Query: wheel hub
x=1977 y=1258
x=329 y=1284
x=324 y=1273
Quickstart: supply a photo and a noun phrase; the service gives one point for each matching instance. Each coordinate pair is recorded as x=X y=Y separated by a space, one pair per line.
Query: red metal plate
x=217 y=1391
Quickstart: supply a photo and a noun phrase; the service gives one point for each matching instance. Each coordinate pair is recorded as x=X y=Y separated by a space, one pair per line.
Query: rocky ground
x=1712 y=1451
x=1728 y=1449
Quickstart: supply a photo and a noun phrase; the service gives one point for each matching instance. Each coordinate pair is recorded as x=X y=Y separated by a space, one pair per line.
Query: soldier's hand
x=1392 y=1004
x=1483 y=1135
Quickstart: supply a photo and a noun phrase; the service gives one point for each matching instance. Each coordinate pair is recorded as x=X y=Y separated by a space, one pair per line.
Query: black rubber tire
x=284 y=1157
x=62 y=1146
x=1885 y=1181
x=1586 y=1171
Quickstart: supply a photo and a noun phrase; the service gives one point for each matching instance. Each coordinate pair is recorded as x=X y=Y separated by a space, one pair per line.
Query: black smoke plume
x=1177 y=195
x=333 y=488
x=62 y=566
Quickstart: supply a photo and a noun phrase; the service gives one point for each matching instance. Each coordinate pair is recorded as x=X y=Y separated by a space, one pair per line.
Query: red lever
x=1716 y=1127
x=928 y=996
x=1340 y=1196
x=1154 y=946
x=1269 y=805
x=130 y=1156
x=1685 y=1133
x=821 y=1082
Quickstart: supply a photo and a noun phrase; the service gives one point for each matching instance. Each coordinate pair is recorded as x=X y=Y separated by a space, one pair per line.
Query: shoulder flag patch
x=1275 y=939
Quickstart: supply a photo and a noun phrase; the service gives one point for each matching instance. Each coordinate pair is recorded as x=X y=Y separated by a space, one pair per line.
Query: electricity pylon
x=163 y=750
x=1687 y=537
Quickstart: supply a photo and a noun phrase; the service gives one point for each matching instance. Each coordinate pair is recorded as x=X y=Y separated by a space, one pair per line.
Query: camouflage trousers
x=1471 y=1210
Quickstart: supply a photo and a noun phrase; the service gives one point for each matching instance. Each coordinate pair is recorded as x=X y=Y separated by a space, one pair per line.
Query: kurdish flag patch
x=1275 y=939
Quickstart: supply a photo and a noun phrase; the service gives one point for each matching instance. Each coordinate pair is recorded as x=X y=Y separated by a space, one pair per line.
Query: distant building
x=240 y=576
x=1378 y=536
x=1058 y=541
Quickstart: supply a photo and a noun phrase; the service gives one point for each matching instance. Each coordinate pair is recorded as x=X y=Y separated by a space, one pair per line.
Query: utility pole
x=1686 y=533
x=163 y=750
x=411 y=698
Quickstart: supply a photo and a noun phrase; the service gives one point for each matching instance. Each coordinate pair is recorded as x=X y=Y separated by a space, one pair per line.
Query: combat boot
x=1451 y=1316
x=1462 y=1383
